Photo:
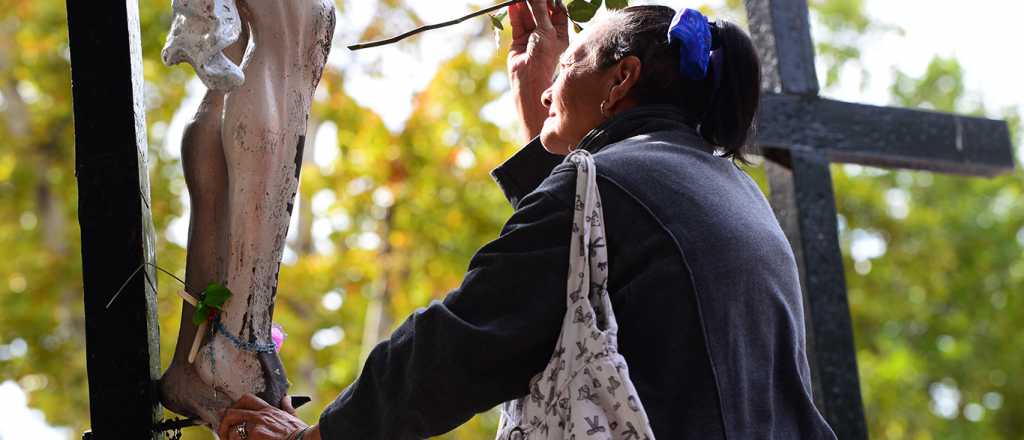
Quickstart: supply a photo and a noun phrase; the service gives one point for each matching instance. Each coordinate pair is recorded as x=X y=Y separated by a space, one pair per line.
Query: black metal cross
x=800 y=134
x=122 y=342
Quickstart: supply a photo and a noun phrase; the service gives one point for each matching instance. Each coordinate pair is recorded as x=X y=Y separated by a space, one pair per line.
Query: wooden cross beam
x=800 y=134
x=122 y=342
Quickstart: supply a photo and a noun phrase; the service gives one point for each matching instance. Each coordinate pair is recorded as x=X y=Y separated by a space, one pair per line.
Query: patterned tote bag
x=584 y=393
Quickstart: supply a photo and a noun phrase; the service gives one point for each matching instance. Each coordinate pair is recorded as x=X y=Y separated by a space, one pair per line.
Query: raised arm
x=540 y=33
x=477 y=348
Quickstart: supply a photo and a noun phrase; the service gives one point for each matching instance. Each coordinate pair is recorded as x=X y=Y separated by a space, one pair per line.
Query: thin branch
x=137 y=269
x=355 y=47
x=146 y=275
x=168 y=273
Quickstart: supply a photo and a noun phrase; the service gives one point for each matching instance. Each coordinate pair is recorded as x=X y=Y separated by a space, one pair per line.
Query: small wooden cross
x=200 y=332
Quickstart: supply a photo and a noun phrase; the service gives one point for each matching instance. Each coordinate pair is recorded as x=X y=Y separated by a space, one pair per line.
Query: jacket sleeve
x=522 y=173
x=478 y=347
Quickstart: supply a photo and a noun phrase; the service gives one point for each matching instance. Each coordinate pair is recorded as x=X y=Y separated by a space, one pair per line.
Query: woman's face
x=574 y=99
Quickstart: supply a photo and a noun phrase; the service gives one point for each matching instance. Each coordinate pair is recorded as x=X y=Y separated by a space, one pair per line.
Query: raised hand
x=540 y=33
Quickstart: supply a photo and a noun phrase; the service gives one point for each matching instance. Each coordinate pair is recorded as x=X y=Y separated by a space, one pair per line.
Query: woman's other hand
x=261 y=421
x=540 y=33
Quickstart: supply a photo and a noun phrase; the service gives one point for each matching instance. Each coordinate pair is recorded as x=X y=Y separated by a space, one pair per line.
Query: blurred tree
x=932 y=263
x=388 y=220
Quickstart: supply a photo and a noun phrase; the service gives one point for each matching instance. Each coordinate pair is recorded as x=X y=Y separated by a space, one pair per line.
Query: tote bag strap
x=589 y=305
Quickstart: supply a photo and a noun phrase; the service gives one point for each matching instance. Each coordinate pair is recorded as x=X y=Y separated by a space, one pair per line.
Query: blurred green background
x=390 y=214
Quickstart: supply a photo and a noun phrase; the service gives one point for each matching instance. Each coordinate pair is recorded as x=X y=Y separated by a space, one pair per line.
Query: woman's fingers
x=262 y=420
x=560 y=19
x=234 y=417
x=286 y=405
x=522 y=20
x=539 y=9
x=225 y=432
x=246 y=408
x=266 y=424
x=250 y=401
x=538 y=15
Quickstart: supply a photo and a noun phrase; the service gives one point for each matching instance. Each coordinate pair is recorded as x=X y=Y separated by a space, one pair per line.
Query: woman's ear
x=624 y=76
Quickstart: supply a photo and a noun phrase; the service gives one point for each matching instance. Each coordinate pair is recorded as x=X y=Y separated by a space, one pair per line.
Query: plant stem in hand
x=359 y=46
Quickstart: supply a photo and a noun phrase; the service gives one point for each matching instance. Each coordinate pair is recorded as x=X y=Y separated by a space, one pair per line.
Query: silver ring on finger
x=240 y=430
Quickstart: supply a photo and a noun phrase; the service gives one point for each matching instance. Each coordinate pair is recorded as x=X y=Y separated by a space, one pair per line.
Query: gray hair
x=614 y=36
x=721 y=106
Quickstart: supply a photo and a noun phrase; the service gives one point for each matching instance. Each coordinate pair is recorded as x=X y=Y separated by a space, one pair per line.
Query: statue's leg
x=202 y=155
x=206 y=176
x=263 y=133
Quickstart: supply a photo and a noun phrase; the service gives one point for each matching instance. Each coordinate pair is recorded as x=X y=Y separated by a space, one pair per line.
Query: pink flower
x=277 y=334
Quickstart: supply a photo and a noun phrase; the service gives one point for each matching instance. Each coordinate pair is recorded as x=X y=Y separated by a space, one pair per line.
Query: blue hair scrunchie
x=693 y=32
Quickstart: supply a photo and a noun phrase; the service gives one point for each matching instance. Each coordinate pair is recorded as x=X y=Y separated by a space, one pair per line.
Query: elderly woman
x=702 y=281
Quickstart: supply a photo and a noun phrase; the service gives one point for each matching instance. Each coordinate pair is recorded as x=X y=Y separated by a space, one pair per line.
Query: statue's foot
x=182 y=391
x=233 y=371
x=220 y=375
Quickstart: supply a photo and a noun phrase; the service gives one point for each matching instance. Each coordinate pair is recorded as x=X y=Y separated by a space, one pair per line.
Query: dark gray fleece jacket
x=703 y=283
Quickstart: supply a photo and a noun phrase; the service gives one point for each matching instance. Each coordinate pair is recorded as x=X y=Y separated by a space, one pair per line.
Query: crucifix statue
x=242 y=153
x=262 y=61
x=800 y=134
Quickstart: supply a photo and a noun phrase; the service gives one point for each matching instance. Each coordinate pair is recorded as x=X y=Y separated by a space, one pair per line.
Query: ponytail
x=728 y=120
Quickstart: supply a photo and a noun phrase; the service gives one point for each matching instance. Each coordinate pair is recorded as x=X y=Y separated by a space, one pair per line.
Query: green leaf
x=496 y=20
x=216 y=295
x=201 y=314
x=582 y=10
x=616 y=4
